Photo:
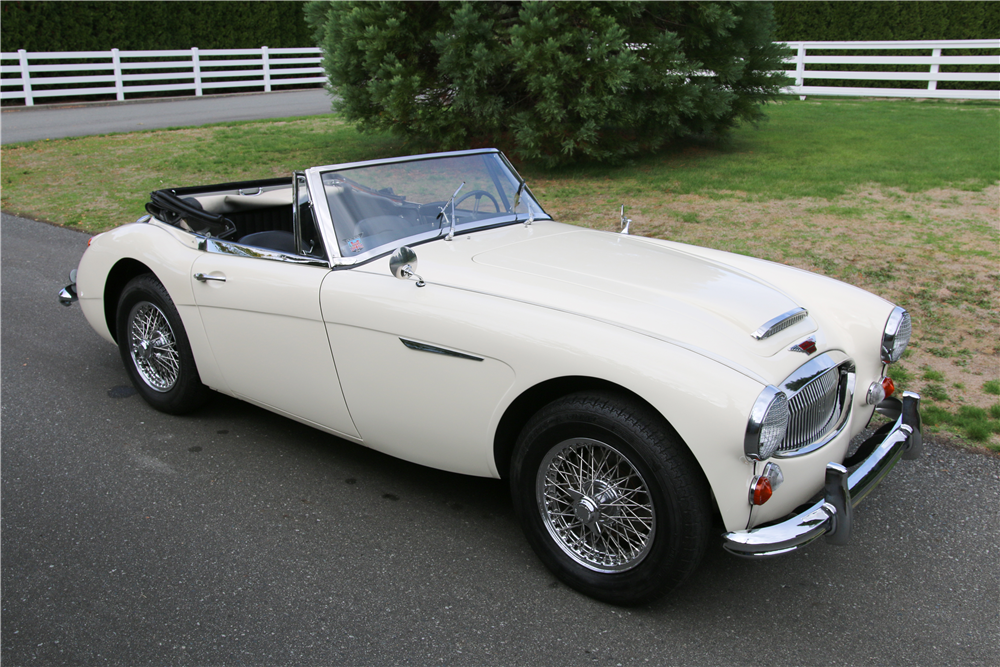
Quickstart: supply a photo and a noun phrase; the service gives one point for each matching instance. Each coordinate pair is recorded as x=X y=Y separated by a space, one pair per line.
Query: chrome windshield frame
x=327 y=228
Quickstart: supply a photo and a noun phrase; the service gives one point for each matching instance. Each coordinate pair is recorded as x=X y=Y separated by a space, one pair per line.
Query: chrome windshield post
x=296 y=214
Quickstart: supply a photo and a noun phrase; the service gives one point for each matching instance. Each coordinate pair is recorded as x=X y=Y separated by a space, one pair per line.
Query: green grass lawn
x=806 y=149
x=898 y=197
x=824 y=148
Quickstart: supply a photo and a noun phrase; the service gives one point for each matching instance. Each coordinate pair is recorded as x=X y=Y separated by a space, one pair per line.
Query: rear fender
x=117 y=256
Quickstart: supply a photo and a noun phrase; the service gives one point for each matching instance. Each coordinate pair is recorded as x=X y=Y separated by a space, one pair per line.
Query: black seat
x=279 y=240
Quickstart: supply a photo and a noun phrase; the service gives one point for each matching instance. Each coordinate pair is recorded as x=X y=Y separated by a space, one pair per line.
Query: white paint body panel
x=266 y=332
x=668 y=322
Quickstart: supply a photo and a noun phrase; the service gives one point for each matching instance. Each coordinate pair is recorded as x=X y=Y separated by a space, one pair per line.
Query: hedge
x=135 y=26
x=885 y=21
x=871 y=21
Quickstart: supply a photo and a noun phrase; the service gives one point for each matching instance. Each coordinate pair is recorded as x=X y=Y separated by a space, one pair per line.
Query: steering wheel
x=478 y=194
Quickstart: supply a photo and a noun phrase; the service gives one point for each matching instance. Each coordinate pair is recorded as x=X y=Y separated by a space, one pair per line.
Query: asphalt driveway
x=234 y=536
x=76 y=120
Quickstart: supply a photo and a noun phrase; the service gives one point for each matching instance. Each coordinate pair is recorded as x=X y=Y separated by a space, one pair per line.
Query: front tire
x=610 y=498
x=155 y=349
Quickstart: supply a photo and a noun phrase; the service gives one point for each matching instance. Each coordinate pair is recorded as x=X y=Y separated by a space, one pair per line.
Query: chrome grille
x=813 y=409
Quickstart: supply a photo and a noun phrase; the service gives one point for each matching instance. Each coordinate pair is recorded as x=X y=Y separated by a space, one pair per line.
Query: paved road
x=237 y=537
x=53 y=122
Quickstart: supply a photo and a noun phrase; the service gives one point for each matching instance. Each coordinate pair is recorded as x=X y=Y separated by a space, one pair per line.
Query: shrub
x=550 y=81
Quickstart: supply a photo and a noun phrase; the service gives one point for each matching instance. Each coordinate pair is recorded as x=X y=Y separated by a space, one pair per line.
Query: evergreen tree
x=550 y=81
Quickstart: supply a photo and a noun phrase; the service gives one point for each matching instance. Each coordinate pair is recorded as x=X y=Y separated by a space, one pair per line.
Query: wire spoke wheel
x=153 y=347
x=609 y=497
x=596 y=505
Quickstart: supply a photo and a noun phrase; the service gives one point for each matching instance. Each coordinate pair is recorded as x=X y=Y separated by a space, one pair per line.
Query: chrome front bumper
x=832 y=515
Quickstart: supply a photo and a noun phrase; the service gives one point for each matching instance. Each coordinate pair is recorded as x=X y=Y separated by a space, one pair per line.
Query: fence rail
x=128 y=74
x=813 y=67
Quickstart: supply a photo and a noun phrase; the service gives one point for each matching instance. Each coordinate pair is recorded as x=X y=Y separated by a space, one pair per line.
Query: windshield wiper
x=517 y=198
x=443 y=212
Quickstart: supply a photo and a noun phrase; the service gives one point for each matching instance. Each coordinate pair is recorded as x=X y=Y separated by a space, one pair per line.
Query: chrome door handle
x=204 y=277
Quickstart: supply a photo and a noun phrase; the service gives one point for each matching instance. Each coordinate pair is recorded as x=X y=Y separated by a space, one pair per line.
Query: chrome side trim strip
x=238 y=250
x=780 y=323
x=434 y=349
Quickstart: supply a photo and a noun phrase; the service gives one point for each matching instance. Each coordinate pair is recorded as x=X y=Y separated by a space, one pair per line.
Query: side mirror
x=403 y=265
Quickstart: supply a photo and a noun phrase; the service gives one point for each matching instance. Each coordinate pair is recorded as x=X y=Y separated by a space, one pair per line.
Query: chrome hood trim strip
x=780 y=323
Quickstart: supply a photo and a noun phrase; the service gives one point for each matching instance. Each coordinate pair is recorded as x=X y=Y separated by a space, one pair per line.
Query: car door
x=415 y=369
x=263 y=320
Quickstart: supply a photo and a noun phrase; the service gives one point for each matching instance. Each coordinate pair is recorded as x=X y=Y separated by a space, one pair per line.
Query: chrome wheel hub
x=153 y=347
x=595 y=505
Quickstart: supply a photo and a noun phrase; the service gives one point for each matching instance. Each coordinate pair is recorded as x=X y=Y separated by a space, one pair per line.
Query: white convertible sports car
x=636 y=393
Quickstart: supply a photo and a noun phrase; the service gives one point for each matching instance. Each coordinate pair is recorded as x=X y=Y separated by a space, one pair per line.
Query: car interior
x=255 y=213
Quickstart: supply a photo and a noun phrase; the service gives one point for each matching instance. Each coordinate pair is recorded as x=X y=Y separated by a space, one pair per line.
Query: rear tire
x=155 y=349
x=610 y=498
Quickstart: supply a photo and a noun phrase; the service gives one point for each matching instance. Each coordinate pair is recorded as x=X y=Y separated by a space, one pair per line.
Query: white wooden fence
x=30 y=76
x=927 y=55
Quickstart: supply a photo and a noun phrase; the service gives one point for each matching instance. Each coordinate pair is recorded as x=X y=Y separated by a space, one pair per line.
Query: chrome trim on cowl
x=780 y=323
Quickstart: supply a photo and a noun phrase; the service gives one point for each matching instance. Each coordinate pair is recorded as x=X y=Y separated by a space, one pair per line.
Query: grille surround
x=820 y=394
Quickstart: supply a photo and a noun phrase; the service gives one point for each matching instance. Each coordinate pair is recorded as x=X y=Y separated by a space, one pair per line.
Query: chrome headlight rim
x=896 y=335
x=766 y=425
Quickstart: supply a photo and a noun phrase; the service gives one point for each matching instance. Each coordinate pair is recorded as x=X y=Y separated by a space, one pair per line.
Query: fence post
x=119 y=82
x=935 y=68
x=22 y=57
x=196 y=65
x=800 y=68
x=267 y=68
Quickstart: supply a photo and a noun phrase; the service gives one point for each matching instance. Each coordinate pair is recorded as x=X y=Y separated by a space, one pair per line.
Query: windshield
x=381 y=204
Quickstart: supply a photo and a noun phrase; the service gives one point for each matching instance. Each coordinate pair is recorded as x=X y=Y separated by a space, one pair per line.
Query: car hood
x=650 y=287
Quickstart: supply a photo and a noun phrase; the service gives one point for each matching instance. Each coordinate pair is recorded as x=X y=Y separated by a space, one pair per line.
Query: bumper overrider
x=67 y=295
x=832 y=514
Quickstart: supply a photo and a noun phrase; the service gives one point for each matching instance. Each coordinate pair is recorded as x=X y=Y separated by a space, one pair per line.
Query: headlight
x=767 y=424
x=896 y=336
